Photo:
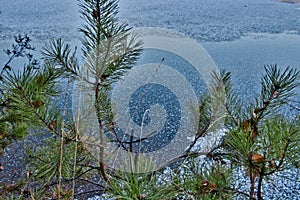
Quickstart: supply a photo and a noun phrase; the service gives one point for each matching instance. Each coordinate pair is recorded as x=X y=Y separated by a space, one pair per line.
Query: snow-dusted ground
x=281 y=185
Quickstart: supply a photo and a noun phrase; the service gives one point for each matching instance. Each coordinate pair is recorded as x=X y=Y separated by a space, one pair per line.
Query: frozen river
x=240 y=35
x=220 y=20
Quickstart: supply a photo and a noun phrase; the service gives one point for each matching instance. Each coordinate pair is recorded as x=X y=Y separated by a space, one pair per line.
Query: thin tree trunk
x=259 y=192
x=101 y=159
x=252 y=184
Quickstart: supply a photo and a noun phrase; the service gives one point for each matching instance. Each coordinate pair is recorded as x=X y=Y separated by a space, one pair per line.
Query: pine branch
x=108 y=47
x=58 y=53
x=277 y=89
x=231 y=102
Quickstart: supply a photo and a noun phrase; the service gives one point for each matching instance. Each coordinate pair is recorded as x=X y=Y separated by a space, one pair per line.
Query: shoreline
x=289 y=1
